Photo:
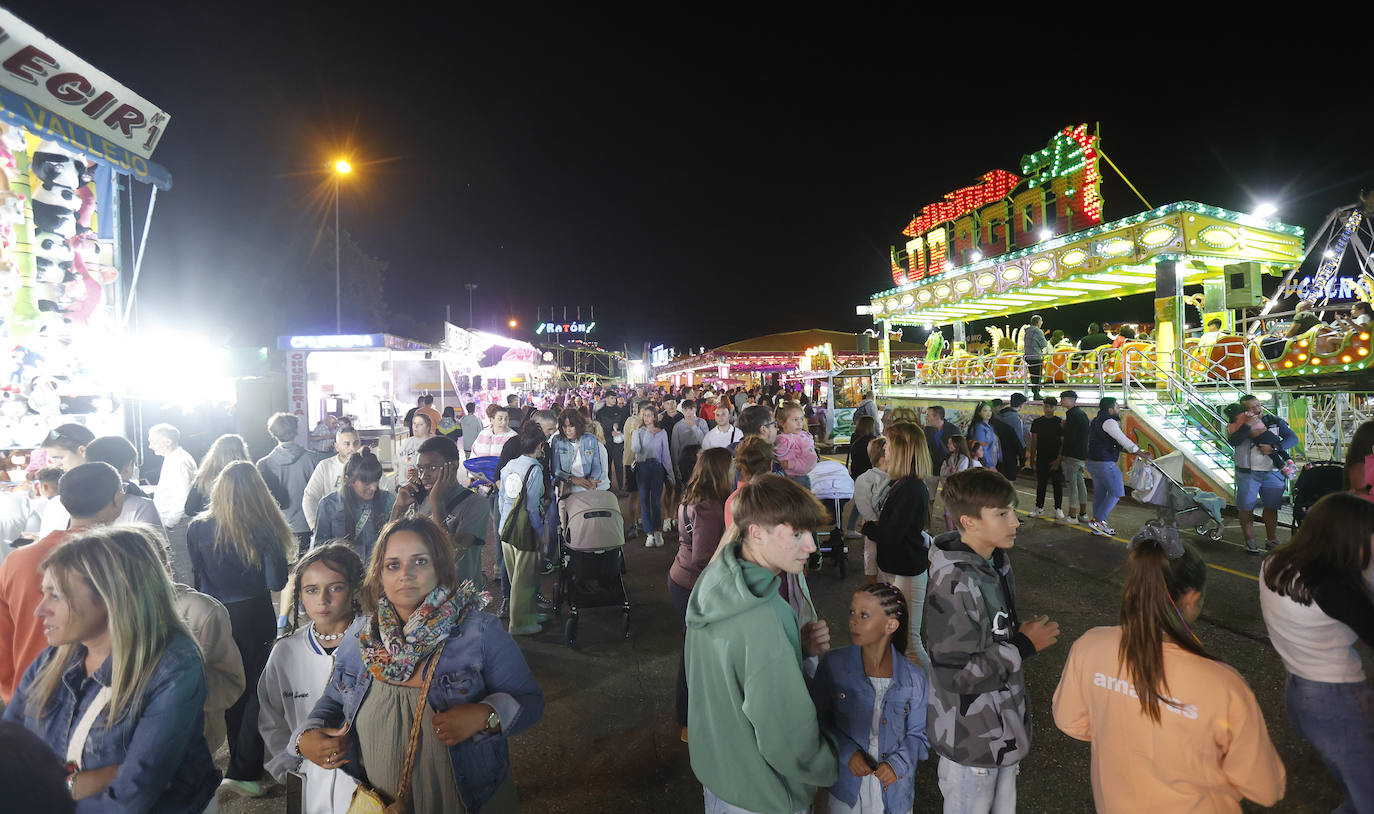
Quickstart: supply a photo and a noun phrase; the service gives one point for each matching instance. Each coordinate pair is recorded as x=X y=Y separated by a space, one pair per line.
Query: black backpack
x=1316 y=481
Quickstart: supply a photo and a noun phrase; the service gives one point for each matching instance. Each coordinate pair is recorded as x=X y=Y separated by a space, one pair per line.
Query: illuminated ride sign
x=332 y=342
x=1058 y=192
x=565 y=328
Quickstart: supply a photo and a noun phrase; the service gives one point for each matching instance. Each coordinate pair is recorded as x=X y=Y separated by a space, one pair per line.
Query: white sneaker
x=1059 y=515
x=649 y=539
x=667 y=525
x=1098 y=529
x=1038 y=511
x=1085 y=519
x=658 y=539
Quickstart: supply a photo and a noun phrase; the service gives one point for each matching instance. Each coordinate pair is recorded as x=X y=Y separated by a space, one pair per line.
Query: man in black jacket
x=1075 y=453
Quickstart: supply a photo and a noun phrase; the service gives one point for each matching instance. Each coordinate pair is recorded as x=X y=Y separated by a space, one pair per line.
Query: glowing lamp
x=1302 y=344
x=1288 y=363
x=1362 y=351
x=1346 y=358
x=1364 y=337
x=342 y=167
x=1265 y=210
x=1302 y=357
x=1261 y=367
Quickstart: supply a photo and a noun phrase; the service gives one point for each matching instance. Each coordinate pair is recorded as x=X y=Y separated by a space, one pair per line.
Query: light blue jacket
x=983 y=433
x=844 y=701
x=534 y=494
x=564 y=451
x=480 y=664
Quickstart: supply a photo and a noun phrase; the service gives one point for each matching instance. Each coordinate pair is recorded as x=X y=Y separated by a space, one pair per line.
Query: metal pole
x=338 y=300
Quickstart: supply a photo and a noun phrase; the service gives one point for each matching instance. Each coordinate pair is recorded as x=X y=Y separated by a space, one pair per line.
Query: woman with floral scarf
x=482 y=691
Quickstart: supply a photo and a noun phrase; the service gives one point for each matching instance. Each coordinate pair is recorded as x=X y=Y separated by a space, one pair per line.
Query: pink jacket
x=796 y=452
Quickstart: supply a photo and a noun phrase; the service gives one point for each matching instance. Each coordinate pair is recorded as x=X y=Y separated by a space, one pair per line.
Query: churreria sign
x=1058 y=192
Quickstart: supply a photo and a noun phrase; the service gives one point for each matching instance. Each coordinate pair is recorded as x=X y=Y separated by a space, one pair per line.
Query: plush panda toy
x=54 y=220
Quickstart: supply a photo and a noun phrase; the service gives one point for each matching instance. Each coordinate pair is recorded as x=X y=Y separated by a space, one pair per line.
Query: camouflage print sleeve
x=969 y=653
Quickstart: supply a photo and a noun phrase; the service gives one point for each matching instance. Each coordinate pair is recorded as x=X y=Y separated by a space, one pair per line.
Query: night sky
x=697 y=174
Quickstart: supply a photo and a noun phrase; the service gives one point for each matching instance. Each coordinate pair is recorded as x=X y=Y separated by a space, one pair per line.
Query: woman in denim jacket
x=576 y=453
x=481 y=694
x=119 y=652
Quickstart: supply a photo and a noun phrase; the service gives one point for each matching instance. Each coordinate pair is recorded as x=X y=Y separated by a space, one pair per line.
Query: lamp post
x=341 y=167
x=471 y=287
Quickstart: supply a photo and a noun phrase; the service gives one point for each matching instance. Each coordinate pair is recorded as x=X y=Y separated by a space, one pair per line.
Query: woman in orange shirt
x=1172 y=729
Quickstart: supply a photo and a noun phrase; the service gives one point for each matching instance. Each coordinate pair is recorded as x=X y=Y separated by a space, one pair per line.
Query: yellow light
x=1261 y=367
x=342 y=167
x=1364 y=337
x=1316 y=361
x=513 y=323
x=1362 y=351
x=1302 y=357
x=1302 y=344
x=1288 y=363
x=1346 y=358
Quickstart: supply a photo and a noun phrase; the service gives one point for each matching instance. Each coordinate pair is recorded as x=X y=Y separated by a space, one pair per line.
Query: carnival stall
x=71 y=139
x=780 y=358
x=1017 y=244
x=489 y=365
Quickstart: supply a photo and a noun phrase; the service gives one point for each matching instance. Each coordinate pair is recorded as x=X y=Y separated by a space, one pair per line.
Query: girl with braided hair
x=326 y=586
x=872 y=703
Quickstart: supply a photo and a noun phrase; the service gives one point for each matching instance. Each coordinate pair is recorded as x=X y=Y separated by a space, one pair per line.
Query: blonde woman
x=238 y=555
x=108 y=615
x=902 y=542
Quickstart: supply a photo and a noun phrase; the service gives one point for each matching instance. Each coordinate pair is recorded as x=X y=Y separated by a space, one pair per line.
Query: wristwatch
x=493 y=720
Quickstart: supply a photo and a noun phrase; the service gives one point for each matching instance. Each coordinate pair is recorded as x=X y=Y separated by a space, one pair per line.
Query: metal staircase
x=1186 y=415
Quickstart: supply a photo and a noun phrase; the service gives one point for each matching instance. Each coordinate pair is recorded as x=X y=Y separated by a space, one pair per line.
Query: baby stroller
x=591 y=541
x=830 y=482
x=1176 y=502
x=1317 y=480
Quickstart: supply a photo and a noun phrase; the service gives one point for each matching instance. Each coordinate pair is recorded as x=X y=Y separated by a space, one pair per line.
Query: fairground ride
x=1017 y=244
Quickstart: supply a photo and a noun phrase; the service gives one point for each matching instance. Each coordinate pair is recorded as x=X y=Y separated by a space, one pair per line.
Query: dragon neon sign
x=1057 y=192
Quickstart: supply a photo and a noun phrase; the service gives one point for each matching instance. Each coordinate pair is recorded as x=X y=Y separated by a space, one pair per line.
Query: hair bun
x=1166 y=537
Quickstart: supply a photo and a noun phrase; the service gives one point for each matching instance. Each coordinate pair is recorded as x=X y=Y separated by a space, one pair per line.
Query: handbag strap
x=77 y=744
x=403 y=791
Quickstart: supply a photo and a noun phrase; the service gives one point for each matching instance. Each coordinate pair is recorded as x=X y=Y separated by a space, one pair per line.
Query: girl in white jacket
x=870 y=488
x=326 y=583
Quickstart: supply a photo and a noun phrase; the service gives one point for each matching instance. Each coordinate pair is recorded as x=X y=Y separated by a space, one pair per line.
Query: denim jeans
x=715 y=805
x=1338 y=720
x=1078 y=487
x=1107 y=487
x=680 y=595
x=650 y=476
x=914 y=590
x=970 y=790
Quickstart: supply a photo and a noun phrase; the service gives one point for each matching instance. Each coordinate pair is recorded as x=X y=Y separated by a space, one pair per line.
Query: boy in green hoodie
x=756 y=746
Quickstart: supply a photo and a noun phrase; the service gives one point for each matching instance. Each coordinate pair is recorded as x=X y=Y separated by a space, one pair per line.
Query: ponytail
x=1159 y=573
x=893 y=603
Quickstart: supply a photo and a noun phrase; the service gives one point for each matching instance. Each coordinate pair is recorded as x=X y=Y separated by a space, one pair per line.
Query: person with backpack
x=522 y=496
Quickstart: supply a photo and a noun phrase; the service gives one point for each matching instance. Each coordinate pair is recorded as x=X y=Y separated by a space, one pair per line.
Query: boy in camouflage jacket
x=978 y=721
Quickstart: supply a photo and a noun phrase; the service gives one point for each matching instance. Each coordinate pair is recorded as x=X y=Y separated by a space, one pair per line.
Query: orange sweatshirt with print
x=1203 y=756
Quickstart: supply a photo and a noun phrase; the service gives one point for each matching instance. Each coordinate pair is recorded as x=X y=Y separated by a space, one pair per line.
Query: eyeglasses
x=771 y=424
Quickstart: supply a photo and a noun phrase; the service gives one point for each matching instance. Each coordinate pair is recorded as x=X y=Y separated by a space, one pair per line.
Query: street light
x=471 y=287
x=513 y=323
x=341 y=167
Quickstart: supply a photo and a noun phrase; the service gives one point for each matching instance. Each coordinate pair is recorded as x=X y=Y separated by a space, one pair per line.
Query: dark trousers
x=1045 y=475
x=254 y=626
x=615 y=454
x=1036 y=366
x=680 y=596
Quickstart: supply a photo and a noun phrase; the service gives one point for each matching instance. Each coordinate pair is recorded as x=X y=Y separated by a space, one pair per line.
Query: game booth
x=75 y=150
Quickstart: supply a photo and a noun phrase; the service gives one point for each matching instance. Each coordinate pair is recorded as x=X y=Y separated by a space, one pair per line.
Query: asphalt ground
x=609 y=741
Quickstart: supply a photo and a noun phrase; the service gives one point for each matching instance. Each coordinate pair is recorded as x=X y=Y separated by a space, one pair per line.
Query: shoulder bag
x=365 y=799
x=518 y=531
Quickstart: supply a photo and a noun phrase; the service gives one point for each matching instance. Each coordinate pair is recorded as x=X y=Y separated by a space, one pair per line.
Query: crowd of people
x=329 y=620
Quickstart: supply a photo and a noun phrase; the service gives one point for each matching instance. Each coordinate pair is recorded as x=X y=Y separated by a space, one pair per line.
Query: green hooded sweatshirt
x=755 y=740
